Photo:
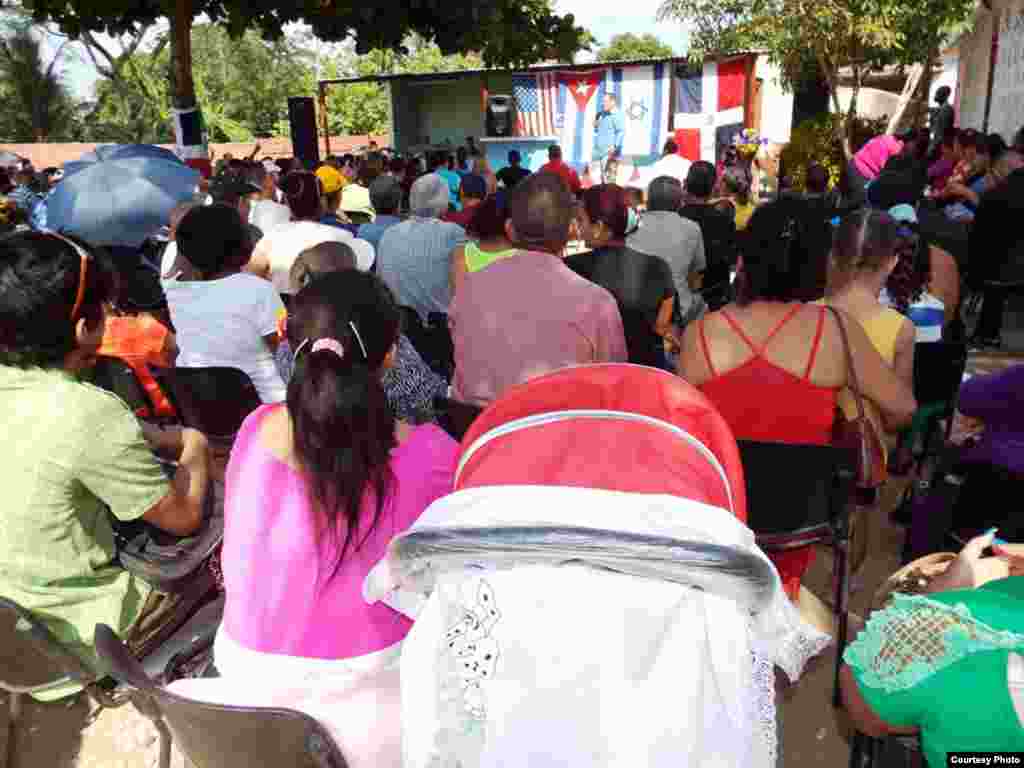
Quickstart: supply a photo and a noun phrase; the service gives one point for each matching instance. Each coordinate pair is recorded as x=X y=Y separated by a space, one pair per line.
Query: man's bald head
x=326 y=257
x=541 y=208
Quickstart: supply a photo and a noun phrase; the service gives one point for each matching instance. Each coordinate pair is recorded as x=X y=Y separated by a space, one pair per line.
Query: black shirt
x=511 y=176
x=719 y=231
x=640 y=283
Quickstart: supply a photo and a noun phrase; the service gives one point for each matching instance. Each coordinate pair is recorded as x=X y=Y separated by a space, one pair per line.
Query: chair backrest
x=115 y=375
x=31 y=657
x=793 y=487
x=213 y=400
x=217 y=736
x=938 y=370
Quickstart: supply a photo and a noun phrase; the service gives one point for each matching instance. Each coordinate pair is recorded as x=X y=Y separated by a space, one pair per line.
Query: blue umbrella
x=113 y=151
x=121 y=201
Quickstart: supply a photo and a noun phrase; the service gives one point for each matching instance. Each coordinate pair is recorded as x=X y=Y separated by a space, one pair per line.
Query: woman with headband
x=316 y=488
x=76 y=457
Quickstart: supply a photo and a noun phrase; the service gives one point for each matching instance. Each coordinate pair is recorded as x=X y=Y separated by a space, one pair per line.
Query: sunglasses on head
x=83 y=271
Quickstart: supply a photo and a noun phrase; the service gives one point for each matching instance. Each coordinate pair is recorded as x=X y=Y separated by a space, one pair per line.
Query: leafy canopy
x=627 y=46
x=505 y=32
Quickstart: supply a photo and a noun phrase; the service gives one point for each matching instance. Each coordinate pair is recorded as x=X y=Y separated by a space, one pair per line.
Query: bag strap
x=854 y=385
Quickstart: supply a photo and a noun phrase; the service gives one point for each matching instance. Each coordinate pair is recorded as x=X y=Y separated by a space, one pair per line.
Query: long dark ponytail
x=342 y=327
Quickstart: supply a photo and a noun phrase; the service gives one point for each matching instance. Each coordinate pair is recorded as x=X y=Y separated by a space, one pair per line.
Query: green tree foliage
x=504 y=31
x=38 y=105
x=799 y=35
x=627 y=47
x=824 y=36
x=243 y=86
x=814 y=141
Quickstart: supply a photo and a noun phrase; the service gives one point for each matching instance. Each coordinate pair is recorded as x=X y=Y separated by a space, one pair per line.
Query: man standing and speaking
x=609 y=130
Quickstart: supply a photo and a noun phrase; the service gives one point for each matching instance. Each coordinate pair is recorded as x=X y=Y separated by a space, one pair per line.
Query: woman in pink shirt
x=869 y=162
x=316 y=489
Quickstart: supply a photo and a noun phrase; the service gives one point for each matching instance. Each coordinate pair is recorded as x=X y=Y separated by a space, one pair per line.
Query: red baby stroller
x=592 y=596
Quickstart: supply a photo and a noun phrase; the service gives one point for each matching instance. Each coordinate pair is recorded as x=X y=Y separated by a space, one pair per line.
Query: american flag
x=535 y=103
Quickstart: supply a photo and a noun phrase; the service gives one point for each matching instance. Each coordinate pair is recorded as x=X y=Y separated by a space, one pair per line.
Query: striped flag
x=710 y=108
x=535 y=104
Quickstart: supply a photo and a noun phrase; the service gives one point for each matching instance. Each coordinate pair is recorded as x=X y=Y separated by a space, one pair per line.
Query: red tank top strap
x=779 y=325
x=816 y=345
x=740 y=332
x=704 y=346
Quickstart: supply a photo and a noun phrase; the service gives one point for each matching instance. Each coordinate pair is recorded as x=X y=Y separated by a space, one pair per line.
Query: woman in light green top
x=488 y=242
x=76 y=456
x=948 y=665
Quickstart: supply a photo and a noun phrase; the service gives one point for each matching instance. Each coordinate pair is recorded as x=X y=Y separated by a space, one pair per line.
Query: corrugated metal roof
x=456 y=74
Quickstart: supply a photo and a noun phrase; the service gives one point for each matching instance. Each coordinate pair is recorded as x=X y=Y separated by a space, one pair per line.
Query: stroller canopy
x=614 y=427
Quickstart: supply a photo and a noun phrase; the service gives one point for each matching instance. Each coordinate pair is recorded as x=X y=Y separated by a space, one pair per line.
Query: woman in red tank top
x=774 y=367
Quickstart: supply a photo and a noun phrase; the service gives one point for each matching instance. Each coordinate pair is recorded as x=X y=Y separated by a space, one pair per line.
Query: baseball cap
x=386 y=192
x=331 y=179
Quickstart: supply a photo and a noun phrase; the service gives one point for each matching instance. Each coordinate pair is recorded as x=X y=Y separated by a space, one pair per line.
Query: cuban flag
x=710 y=108
x=579 y=100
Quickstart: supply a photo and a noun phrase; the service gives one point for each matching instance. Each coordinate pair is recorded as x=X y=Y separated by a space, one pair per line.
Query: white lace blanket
x=553 y=665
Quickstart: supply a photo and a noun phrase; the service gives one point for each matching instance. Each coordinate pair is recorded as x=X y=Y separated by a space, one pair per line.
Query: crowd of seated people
x=339 y=291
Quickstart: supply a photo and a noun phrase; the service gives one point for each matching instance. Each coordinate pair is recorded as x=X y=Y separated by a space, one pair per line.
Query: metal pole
x=324 y=125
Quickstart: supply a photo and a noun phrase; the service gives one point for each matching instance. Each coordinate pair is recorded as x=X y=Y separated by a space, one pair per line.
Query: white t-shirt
x=283 y=246
x=223 y=322
x=675 y=166
x=268 y=215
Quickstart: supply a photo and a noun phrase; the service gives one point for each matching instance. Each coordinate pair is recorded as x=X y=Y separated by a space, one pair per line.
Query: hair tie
x=332 y=345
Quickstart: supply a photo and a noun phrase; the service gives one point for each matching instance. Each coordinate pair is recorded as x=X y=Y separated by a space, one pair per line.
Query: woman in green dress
x=949 y=664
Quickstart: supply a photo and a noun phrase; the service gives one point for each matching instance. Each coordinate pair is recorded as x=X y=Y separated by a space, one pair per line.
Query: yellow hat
x=331 y=179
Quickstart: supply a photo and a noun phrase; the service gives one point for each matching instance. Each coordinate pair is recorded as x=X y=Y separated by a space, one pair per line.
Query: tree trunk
x=921 y=108
x=183 y=91
x=842 y=135
x=910 y=91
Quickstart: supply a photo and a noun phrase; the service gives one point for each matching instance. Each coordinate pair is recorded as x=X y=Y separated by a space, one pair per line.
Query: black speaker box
x=305 y=143
x=501 y=115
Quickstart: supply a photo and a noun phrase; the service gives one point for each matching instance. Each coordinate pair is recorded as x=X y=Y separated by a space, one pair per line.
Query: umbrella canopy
x=120 y=201
x=115 y=151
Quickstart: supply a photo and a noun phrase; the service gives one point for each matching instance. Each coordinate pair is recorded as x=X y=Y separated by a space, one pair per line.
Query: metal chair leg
x=12 y=728
x=860 y=750
x=841 y=603
x=149 y=710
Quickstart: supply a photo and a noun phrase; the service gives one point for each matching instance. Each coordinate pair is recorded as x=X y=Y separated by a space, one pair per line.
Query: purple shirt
x=875 y=154
x=281 y=596
x=526 y=315
x=998 y=400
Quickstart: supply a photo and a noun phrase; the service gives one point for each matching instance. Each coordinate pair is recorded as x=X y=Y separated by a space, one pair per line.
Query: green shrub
x=814 y=141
